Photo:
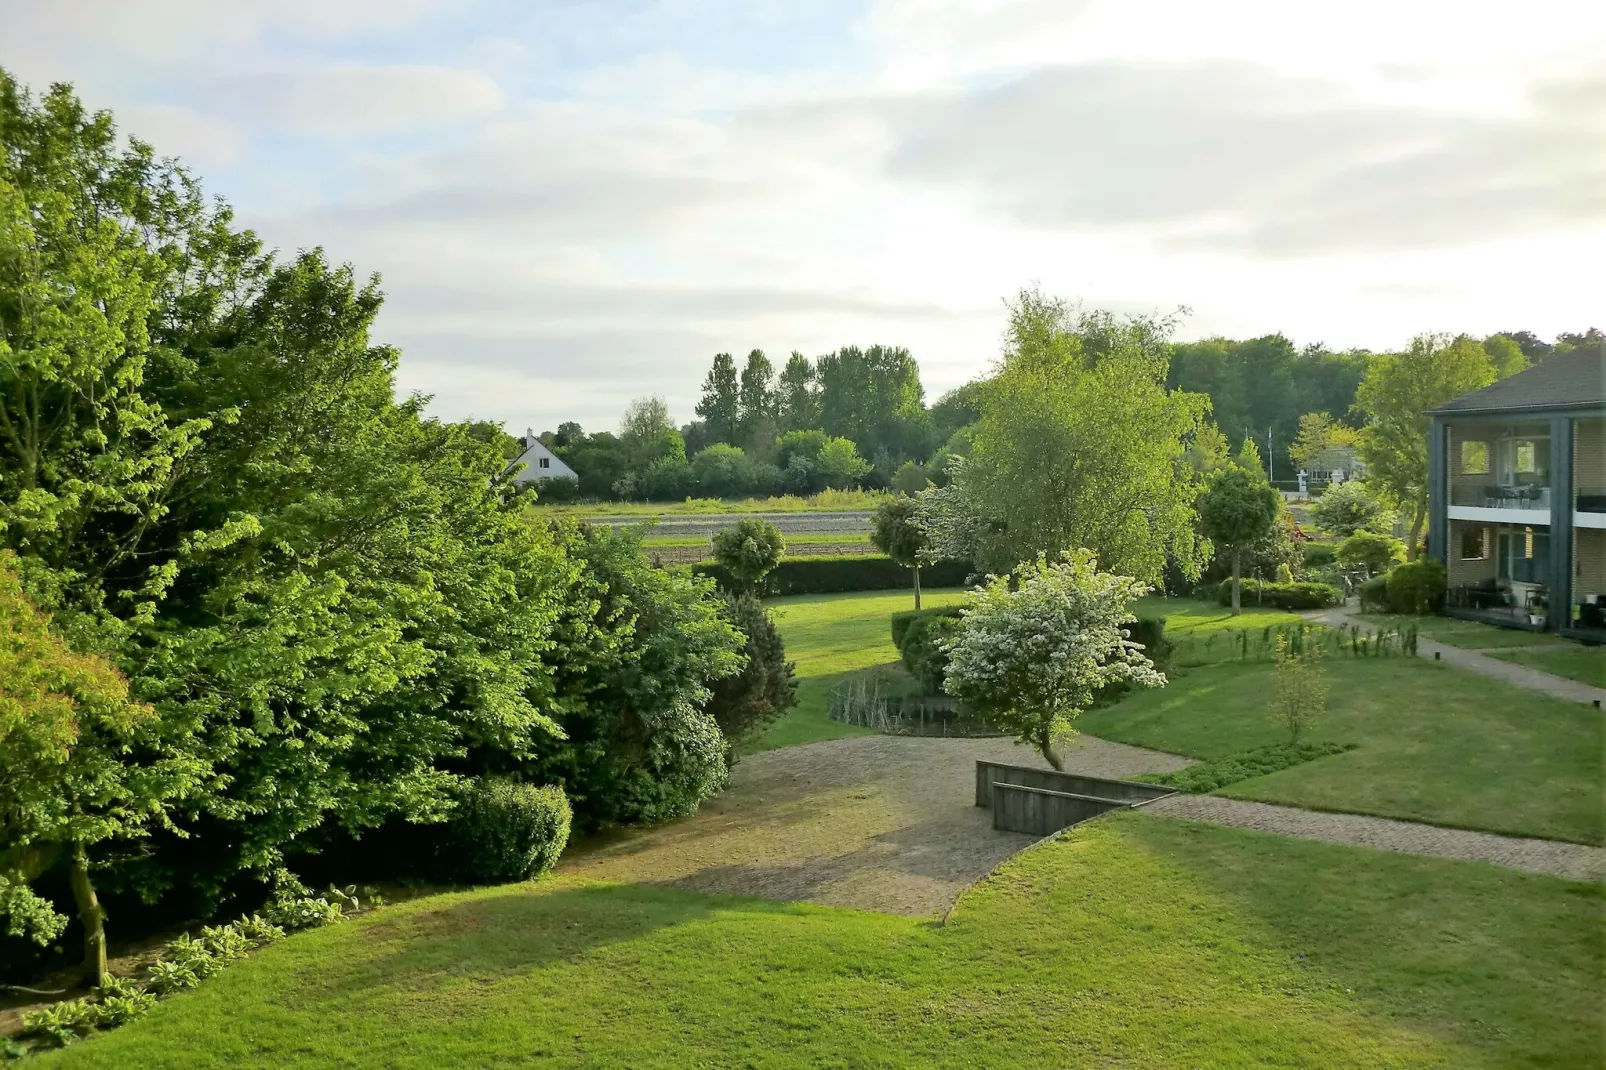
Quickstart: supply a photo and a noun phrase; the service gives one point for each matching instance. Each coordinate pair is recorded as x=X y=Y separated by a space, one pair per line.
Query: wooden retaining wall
x=1040 y=812
x=1131 y=791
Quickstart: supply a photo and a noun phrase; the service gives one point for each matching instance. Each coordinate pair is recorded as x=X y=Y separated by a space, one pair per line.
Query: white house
x=537 y=462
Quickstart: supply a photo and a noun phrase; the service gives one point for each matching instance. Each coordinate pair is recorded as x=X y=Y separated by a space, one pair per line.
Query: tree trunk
x=1419 y=515
x=917 y=588
x=1237 y=557
x=92 y=917
x=1046 y=746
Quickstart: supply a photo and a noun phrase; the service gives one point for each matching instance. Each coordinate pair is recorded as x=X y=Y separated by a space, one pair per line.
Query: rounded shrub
x=505 y=831
x=1374 y=595
x=1377 y=553
x=1416 y=588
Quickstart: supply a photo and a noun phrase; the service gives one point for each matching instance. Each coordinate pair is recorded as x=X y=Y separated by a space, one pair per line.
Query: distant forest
x=859 y=417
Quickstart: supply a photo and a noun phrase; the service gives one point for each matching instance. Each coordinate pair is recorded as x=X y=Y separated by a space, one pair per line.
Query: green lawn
x=1133 y=941
x=830 y=637
x=828 y=501
x=1194 y=617
x=1436 y=744
x=1586 y=664
x=1468 y=634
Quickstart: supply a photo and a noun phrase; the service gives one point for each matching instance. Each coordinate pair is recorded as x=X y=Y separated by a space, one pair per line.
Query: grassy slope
x=830 y=636
x=1135 y=940
x=1582 y=663
x=1436 y=744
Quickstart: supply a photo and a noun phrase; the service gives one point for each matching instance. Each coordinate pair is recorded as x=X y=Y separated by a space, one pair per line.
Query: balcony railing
x=1500 y=496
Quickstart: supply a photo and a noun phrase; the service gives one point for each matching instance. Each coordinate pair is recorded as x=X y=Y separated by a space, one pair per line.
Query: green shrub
x=748 y=551
x=833 y=575
x=505 y=831
x=558 y=489
x=902 y=621
x=1150 y=631
x=743 y=704
x=1377 y=552
x=1281 y=595
x=924 y=649
x=1219 y=772
x=1416 y=588
x=1374 y=595
x=1319 y=554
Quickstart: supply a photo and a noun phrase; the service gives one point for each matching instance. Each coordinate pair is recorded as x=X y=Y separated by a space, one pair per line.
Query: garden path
x=1478 y=662
x=1571 y=860
x=883 y=823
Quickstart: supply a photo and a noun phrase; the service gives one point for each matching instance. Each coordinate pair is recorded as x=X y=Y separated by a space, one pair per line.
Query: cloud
x=1231 y=155
x=201 y=141
x=351 y=99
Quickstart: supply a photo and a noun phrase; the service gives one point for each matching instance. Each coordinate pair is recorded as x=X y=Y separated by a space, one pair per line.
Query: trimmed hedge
x=923 y=649
x=1374 y=595
x=505 y=831
x=902 y=621
x=1319 y=554
x=1150 y=631
x=1230 y=769
x=1280 y=595
x=1416 y=588
x=834 y=575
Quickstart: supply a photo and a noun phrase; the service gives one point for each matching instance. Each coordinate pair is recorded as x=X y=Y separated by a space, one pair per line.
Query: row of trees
x=252 y=606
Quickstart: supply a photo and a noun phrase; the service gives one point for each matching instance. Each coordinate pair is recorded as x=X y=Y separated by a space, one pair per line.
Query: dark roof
x=1575 y=380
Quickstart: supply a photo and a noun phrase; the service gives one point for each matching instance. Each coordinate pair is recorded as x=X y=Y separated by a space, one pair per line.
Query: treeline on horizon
x=858 y=417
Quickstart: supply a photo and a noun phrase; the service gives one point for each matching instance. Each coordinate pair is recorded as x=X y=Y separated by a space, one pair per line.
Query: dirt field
x=875 y=822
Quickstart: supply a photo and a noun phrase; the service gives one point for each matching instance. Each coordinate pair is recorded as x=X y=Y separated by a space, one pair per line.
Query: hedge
x=504 y=831
x=1318 y=554
x=1281 y=595
x=902 y=621
x=1374 y=594
x=833 y=575
x=924 y=649
x=1416 y=588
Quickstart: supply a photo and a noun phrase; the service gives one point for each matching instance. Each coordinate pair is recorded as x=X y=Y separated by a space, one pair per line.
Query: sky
x=575 y=204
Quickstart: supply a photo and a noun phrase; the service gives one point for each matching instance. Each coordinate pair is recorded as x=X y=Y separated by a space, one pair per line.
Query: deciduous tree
x=898 y=532
x=1236 y=510
x=1032 y=650
x=721 y=406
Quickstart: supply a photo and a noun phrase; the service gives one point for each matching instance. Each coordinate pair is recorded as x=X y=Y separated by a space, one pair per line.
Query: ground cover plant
x=1469 y=634
x=1132 y=940
x=1586 y=664
x=1434 y=744
x=826 y=501
x=829 y=638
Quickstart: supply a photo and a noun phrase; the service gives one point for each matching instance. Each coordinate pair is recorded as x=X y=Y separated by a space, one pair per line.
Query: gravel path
x=1475 y=661
x=1537 y=856
x=882 y=823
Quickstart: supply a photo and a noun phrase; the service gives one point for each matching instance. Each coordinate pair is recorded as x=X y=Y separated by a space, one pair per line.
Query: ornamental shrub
x=1281 y=595
x=749 y=551
x=1416 y=588
x=925 y=649
x=744 y=704
x=1374 y=595
x=901 y=622
x=1319 y=554
x=505 y=831
x=1376 y=552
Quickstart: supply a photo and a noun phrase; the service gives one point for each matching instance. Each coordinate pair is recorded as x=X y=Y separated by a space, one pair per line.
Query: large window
x=1474 y=543
x=1474 y=458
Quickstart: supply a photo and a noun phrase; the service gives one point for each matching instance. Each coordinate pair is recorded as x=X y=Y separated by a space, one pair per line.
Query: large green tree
x=1079 y=445
x=721 y=405
x=1398 y=391
x=797 y=395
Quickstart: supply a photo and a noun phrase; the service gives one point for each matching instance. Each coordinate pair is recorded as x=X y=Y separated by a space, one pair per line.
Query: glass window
x=1474 y=458
x=546 y=462
x=1527 y=457
x=1474 y=544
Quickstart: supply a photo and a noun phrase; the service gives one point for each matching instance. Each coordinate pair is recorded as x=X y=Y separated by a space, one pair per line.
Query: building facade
x=1517 y=498
x=537 y=462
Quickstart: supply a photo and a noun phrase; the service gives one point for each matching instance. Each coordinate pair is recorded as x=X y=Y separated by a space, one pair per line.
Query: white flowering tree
x=1034 y=648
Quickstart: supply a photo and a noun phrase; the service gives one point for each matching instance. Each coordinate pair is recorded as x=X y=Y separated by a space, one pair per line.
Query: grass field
x=825 y=501
x=830 y=637
x=1132 y=941
x=1436 y=744
x=1586 y=664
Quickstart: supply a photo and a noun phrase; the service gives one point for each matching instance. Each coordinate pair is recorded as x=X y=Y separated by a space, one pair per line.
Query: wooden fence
x=1132 y=791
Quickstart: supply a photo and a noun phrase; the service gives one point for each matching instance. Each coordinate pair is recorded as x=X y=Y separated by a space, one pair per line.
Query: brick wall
x=1589 y=456
x=1589 y=561
x=1461 y=571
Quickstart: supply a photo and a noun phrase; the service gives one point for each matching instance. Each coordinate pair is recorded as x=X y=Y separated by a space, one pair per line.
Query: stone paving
x=1571 y=860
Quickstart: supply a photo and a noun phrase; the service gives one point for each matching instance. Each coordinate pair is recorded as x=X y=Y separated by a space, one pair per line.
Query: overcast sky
x=573 y=204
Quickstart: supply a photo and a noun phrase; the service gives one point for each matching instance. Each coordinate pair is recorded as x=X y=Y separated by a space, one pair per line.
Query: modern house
x=1517 y=497
x=537 y=462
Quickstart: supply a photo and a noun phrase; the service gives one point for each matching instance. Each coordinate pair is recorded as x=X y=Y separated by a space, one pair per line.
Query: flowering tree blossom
x=1031 y=654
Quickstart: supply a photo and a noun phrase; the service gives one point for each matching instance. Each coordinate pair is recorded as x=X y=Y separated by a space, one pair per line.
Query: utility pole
x=1271 y=459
